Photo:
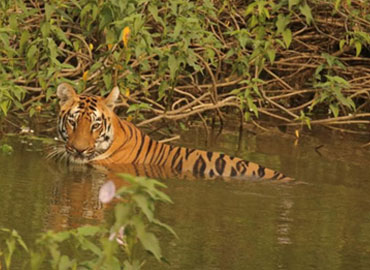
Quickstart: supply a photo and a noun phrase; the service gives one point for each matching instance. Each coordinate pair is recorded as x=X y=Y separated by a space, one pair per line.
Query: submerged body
x=94 y=134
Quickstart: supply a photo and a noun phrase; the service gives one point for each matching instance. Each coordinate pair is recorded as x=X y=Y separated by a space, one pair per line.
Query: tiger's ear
x=65 y=92
x=111 y=99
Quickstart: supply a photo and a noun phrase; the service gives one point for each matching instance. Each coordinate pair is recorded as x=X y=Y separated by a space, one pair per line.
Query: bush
x=182 y=58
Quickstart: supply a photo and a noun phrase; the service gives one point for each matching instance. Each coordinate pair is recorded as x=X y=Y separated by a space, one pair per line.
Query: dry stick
x=214 y=86
x=348 y=131
x=199 y=114
x=259 y=126
x=343 y=119
x=33 y=99
x=84 y=42
x=170 y=139
x=222 y=84
x=278 y=105
x=296 y=92
x=201 y=109
x=277 y=78
x=274 y=115
x=304 y=105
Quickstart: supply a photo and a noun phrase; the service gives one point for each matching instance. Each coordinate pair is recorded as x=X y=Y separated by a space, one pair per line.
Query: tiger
x=92 y=133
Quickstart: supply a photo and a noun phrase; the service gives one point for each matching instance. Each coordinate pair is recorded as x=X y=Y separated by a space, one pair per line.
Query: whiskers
x=58 y=153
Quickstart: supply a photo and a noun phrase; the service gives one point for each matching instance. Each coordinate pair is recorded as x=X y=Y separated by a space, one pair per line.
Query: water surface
x=321 y=221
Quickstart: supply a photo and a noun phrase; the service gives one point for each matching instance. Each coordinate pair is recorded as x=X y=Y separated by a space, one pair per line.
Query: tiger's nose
x=81 y=150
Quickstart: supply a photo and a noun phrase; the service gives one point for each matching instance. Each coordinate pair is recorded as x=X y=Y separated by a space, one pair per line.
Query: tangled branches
x=298 y=63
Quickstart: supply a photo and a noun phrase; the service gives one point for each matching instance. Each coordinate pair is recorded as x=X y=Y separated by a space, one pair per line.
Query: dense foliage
x=297 y=61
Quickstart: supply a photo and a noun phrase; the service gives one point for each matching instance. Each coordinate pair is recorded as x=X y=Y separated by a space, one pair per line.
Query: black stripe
x=199 y=166
x=211 y=173
x=209 y=155
x=276 y=175
x=241 y=166
x=175 y=156
x=159 y=153
x=188 y=151
x=233 y=172
x=124 y=130
x=220 y=164
x=179 y=166
x=155 y=149
x=135 y=132
x=162 y=154
x=148 y=150
x=261 y=171
x=140 y=148
x=136 y=170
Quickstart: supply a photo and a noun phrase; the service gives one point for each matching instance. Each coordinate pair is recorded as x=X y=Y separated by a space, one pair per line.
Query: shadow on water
x=320 y=221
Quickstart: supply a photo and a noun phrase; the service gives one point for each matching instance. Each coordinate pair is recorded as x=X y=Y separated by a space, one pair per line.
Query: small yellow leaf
x=129 y=118
x=118 y=67
x=84 y=76
x=126 y=35
x=110 y=46
x=127 y=92
x=297 y=133
x=38 y=108
x=91 y=46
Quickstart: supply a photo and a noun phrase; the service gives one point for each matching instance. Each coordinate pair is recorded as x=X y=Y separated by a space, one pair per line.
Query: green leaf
x=65 y=263
x=122 y=214
x=252 y=106
x=4 y=105
x=150 y=243
x=135 y=265
x=358 y=46
x=88 y=230
x=60 y=35
x=53 y=51
x=31 y=57
x=334 y=109
x=282 y=22
x=49 y=10
x=167 y=227
x=145 y=206
x=306 y=11
x=287 y=37
x=271 y=53
x=25 y=38
x=173 y=66
x=45 y=29
x=293 y=3
x=8 y=149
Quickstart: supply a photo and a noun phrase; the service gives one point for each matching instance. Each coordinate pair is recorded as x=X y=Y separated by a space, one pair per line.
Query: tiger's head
x=85 y=123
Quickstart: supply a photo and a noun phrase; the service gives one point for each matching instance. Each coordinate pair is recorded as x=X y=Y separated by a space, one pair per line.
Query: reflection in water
x=321 y=224
x=284 y=228
x=74 y=201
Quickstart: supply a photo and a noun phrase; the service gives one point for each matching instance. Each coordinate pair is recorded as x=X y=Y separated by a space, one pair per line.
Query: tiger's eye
x=72 y=122
x=96 y=126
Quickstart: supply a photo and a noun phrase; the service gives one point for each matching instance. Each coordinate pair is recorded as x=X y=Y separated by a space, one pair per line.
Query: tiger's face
x=84 y=123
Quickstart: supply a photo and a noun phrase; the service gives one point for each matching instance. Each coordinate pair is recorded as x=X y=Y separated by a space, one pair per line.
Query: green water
x=321 y=221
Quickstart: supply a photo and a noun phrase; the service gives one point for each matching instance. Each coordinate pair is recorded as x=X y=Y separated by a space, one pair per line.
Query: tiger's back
x=93 y=133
